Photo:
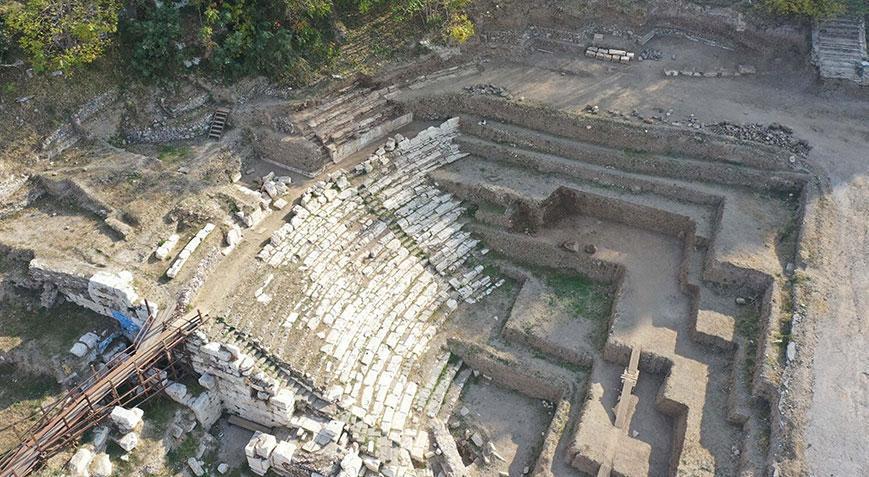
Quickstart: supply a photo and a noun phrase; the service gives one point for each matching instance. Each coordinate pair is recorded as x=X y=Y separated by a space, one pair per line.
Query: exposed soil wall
x=76 y=193
x=659 y=139
x=508 y=372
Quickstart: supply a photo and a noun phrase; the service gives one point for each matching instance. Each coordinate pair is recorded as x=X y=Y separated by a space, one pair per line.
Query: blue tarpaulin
x=128 y=327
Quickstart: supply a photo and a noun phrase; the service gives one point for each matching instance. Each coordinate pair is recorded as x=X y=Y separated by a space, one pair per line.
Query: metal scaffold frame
x=131 y=377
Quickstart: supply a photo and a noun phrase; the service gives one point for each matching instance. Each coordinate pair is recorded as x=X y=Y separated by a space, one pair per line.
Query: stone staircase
x=351 y=120
x=839 y=47
x=218 y=122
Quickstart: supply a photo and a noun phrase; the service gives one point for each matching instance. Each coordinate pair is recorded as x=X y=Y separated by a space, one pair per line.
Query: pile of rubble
x=651 y=54
x=741 y=70
x=488 y=89
x=91 y=460
x=774 y=134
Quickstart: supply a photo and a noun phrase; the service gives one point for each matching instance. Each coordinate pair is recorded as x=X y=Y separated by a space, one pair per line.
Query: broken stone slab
x=271 y=189
x=126 y=419
x=452 y=465
x=166 y=247
x=90 y=339
x=233 y=236
x=282 y=455
x=371 y=463
x=207 y=381
x=746 y=69
x=121 y=228
x=195 y=467
x=259 y=444
x=101 y=465
x=79 y=350
x=351 y=463
x=79 y=464
x=265 y=445
x=100 y=438
x=178 y=393
x=129 y=441
x=188 y=250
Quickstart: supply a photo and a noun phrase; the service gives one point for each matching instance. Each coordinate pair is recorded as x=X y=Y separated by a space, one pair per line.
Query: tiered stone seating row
x=384 y=262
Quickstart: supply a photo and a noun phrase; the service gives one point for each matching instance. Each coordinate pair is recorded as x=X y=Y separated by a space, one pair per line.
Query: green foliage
x=447 y=16
x=4 y=41
x=461 y=28
x=583 y=296
x=171 y=155
x=807 y=8
x=62 y=34
x=178 y=456
x=153 y=41
x=270 y=37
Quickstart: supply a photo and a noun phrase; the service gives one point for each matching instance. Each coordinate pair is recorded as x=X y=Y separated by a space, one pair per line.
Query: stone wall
x=240 y=386
x=659 y=139
x=109 y=293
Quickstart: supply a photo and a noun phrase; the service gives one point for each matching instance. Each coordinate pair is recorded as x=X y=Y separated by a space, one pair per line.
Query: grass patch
x=171 y=155
x=584 y=299
x=54 y=330
x=159 y=411
x=20 y=398
x=631 y=152
x=749 y=327
x=582 y=296
x=177 y=457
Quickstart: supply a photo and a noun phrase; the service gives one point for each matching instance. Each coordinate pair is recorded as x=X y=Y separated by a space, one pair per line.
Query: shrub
x=461 y=28
x=807 y=8
x=62 y=34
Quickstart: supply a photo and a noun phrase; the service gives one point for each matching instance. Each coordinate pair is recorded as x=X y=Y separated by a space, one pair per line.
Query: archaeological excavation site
x=590 y=239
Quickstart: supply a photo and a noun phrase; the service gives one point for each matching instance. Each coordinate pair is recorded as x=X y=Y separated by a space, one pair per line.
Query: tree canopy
x=62 y=34
x=228 y=37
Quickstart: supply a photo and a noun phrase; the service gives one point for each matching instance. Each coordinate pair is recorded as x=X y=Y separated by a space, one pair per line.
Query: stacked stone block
x=385 y=263
x=237 y=386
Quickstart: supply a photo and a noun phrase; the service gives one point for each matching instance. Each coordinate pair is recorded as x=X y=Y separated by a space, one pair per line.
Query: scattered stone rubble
x=774 y=134
x=488 y=89
x=188 y=250
x=741 y=70
x=91 y=459
x=651 y=54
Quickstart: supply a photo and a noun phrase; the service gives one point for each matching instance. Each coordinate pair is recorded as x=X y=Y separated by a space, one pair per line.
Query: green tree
x=269 y=37
x=62 y=34
x=154 y=41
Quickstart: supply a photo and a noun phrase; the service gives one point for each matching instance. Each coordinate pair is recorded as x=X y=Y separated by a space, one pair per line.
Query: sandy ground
x=515 y=424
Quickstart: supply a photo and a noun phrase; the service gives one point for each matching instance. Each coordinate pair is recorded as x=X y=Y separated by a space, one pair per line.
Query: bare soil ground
x=823 y=393
x=512 y=422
